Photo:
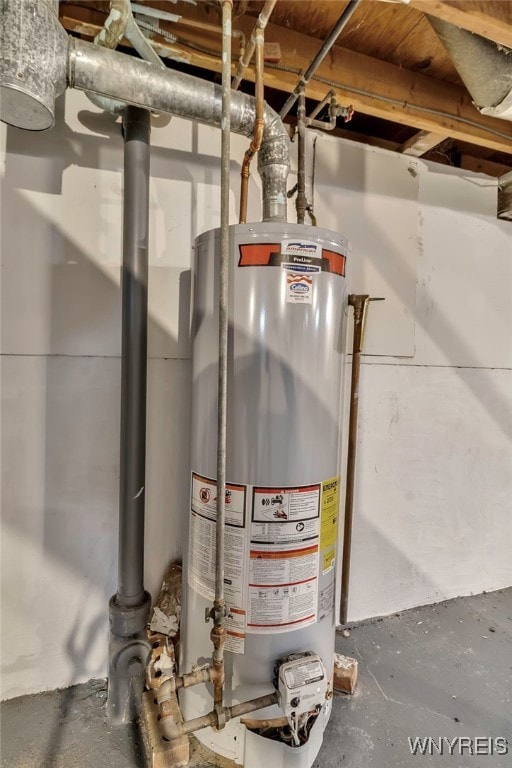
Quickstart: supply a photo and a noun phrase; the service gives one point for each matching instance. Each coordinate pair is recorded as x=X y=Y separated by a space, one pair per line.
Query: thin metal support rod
x=360 y=304
x=320 y=56
x=301 y=200
x=219 y=608
x=132 y=482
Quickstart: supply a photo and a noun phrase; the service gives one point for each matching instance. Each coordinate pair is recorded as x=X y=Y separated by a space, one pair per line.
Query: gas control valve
x=301 y=684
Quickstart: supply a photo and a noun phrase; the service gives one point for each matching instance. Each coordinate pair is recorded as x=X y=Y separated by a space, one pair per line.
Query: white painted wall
x=434 y=473
x=433 y=503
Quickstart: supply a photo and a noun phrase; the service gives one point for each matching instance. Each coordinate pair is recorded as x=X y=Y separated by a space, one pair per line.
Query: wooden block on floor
x=345 y=673
x=161 y=753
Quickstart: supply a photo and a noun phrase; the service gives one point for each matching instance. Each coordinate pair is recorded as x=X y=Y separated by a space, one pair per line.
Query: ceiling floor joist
x=421 y=143
x=372 y=86
x=473 y=21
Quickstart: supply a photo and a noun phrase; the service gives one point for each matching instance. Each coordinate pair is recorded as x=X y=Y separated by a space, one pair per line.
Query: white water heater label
x=301 y=251
x=284 y=558
x=204 y=500
x=301 y=261
x=286 y=505
x=326 y=601
x=272 y=609
x=201 y=568
x=299 y=283
x=235 y=631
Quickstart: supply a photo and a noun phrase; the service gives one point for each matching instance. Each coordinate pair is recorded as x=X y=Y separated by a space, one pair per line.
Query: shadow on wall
x=60 y=435
x=447 y=337
x=60 y=377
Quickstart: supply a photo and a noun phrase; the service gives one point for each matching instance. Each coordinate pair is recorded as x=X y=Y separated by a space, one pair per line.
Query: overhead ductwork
x=38 y=61
x=33 y=62
x=484 y=66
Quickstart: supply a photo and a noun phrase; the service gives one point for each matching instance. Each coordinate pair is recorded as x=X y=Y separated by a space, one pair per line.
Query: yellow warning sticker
x=329 y=522
x=328 y=559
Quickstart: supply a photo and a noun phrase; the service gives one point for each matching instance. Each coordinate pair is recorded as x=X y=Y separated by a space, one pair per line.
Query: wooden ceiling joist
x=421 y=143
x=372 y=86
x=476 y=21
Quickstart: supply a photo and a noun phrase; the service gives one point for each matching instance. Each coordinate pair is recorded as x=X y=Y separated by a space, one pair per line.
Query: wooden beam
x=480 y=23
x=371 y=86
x=482 y=165
x=421 y=143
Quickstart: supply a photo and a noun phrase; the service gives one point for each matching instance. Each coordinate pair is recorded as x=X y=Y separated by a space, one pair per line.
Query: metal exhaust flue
x=38 y=60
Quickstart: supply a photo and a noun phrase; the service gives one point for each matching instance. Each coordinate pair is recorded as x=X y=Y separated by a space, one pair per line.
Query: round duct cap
x=23 y=109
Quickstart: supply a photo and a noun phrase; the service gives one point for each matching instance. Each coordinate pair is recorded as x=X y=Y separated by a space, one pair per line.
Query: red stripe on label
x=257 y=254
x=284 y=623
x=289 y=584
x=276 y=489
x=282 y=554
x=336 y=262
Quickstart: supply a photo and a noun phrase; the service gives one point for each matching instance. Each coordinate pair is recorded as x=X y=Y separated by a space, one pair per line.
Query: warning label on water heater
x=201 y=568
x=280 y=554
x=284 y=558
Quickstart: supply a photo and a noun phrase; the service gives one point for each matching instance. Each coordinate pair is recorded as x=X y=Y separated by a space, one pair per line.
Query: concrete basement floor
x=442 y=671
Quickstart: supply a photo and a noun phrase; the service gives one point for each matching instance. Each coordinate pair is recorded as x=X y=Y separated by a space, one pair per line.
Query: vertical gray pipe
x=129 y=608
x=136 y=125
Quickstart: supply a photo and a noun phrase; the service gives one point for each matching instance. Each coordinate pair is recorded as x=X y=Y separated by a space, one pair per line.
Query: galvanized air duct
x=38 y=60
x=118 y=24
x=33 y=61
x=485 y=68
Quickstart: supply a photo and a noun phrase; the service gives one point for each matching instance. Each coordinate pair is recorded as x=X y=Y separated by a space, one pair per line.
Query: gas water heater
x=288 y=294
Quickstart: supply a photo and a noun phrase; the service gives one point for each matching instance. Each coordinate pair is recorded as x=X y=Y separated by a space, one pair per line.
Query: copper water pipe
x=260 y=25
x=360 y=304
x=259 y=37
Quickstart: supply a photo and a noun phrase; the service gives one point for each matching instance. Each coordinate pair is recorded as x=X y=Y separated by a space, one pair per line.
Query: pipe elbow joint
x=274 y=166
x=169 y=727
x=166 y=691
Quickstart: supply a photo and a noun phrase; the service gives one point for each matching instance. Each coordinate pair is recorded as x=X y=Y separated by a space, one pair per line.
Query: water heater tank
x=288 y=294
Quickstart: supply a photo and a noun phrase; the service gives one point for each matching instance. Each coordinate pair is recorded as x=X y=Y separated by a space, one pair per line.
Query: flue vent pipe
x=38 y=59
x=137 y=82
